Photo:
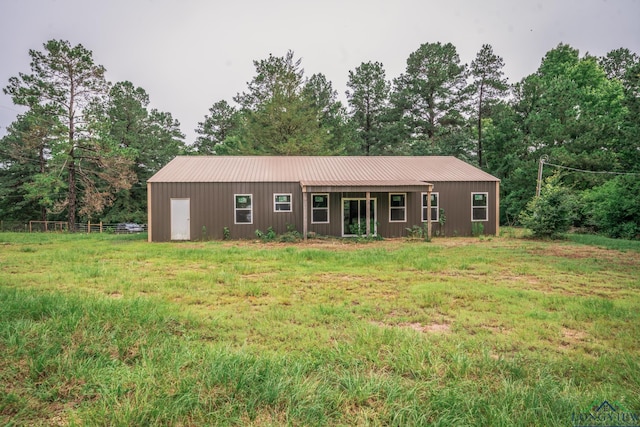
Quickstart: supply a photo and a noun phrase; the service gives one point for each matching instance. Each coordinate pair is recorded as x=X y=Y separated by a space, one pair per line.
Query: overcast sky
x=188 y=54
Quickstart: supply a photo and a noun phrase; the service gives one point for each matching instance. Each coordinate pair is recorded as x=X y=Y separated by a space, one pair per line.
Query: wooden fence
x=61 y=226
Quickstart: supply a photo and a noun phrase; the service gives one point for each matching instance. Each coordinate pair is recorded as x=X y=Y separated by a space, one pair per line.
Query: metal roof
x=319 y=170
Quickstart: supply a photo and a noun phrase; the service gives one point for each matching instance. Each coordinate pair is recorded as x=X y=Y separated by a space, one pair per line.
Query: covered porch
x=366 y=204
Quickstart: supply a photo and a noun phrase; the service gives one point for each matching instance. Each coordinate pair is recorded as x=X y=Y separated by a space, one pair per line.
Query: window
x=397 y=207
x=435 y=205
x=319 y=208
x=243 y=209
x=479 y=206
x=282 y=203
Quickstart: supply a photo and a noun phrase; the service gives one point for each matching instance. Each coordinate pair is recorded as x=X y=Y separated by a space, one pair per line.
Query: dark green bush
x=614 y=207
x=551 y=213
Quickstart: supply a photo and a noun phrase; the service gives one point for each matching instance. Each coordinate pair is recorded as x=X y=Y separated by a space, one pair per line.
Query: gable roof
x=318 y=169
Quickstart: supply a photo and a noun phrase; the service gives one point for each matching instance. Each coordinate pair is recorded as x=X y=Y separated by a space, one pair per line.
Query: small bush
x=477 y=229
x=418 y=231
x=268 y=236
x=292 y=235
x=550 y=214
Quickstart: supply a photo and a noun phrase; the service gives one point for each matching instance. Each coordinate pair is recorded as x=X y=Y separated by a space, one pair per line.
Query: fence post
x=88 y=227
x=100 y=227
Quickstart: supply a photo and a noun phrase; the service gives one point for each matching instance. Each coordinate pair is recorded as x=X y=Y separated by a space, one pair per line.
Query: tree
x=219 y=124
x=630 y=153
x=65 y=82
x=368 y=98
x=151 y=139
x=430 y=98
x=617 y=64
x=331 y=115
x=489 y=86
x=24 y=154
x=614 y=207
x=276 y=116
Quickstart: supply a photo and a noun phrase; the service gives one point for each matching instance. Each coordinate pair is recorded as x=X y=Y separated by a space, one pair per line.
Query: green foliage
x=64 y=87
x=477 y=229
x=488 y=87
x=368 y=96
x=418 y=231
x=268 y=236
x=291 y=235
x=614 y=207
x=226 y=234
x=284 y=114
x=442 y=220
x=221 y=122
x=152 y=138
x=429 y=101
x=550 y=214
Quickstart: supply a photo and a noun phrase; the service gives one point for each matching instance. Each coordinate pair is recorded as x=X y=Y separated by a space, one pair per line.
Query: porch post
x=149 y=217
x=304 y=212
x=429 y=189
x=368 y=213
x=497 y=208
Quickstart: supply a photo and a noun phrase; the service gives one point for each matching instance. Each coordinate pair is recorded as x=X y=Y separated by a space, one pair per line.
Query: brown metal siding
x=455 y=199
x=212 y=209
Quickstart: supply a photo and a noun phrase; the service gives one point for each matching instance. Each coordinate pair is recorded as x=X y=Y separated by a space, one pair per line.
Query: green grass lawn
x=503 y=331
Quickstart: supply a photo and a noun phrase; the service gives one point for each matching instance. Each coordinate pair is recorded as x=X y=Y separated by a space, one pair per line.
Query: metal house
x=212 y=197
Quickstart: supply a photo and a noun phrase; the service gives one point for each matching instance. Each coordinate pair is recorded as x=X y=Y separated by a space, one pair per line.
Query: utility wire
x=587 y=171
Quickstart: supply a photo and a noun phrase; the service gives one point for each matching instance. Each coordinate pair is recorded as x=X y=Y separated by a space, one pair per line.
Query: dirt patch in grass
x=418 y=327
x=587 y=252
x=571 y=338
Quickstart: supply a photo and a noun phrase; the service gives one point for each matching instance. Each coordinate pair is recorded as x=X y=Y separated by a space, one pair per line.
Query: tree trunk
x=42 y=160
x=480 y=126
x=72 y=165
x=72 y=194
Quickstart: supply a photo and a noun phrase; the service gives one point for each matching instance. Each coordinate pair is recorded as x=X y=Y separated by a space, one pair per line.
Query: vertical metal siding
x=212 y=209
x=455 y=199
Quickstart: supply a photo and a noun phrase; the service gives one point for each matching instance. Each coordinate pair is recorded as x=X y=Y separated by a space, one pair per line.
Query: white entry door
x=180 y=219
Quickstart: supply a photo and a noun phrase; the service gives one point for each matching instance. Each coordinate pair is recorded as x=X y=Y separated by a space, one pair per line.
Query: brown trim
x=497 y=208
x=367 y=213
x=390 y=188
x=305 y=213
x=429 y=226
x=149 y=219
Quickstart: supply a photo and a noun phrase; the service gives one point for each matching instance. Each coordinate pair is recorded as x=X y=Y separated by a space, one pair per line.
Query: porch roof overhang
x=368 y=187
x=364 y=186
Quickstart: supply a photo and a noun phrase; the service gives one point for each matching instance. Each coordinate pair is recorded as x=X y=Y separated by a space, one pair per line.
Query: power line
x=588 y=171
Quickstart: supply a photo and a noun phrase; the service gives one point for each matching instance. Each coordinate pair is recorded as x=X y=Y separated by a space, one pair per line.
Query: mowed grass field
x=502 y=331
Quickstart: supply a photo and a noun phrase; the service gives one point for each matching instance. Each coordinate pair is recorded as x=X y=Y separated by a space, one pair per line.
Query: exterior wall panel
x=455 y=199
x=212 y=209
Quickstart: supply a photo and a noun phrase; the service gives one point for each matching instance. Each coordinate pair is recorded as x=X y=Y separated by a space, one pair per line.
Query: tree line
x=85 y=147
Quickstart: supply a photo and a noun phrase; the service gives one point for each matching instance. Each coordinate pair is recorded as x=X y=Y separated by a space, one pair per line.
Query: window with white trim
x=397 y=207
x=319 y=208
x=479 y=206
x=435 y=205
x=282 y=203
x=243 y=208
